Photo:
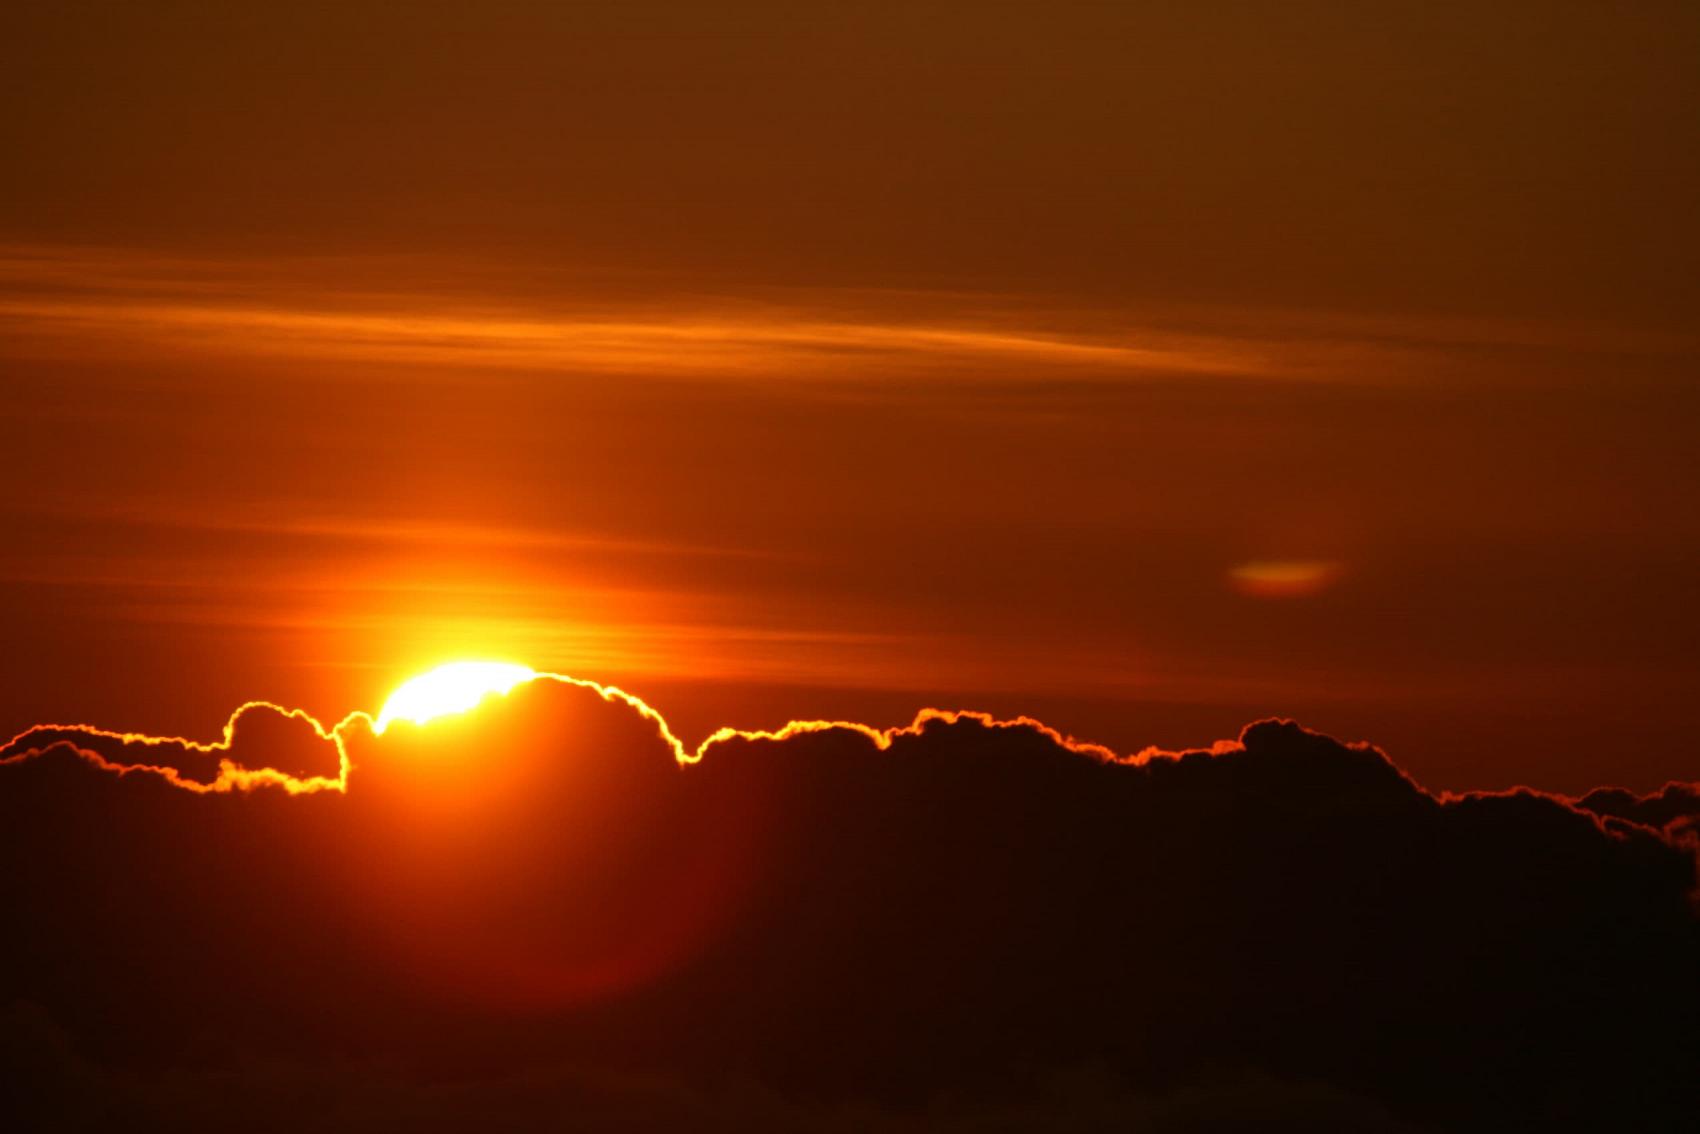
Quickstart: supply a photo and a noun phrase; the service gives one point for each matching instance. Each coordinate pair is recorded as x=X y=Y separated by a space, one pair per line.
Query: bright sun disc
x=452 y=688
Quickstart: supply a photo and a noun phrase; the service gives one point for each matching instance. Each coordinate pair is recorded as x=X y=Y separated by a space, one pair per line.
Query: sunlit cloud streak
x=68 y=300
x=671 y=348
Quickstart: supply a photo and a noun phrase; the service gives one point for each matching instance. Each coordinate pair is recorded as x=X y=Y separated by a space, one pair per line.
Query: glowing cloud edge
x=233 y=777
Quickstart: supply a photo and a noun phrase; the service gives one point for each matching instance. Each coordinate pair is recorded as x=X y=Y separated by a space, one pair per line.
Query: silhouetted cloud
x=1675 y=808
x=264 y=745
x=538 y=913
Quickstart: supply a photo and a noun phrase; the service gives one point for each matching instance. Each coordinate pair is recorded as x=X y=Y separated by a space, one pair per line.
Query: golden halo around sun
x=451 y=688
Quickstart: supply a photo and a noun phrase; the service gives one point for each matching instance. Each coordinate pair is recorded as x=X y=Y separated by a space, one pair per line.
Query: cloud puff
x=943 y=920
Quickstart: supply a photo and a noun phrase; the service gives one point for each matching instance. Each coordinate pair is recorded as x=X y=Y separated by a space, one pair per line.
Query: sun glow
x=452 y=688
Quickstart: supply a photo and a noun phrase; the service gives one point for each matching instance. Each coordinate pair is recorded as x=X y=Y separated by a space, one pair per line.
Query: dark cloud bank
x=531 y=918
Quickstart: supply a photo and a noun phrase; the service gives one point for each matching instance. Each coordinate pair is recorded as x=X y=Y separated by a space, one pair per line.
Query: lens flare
x=452 y=688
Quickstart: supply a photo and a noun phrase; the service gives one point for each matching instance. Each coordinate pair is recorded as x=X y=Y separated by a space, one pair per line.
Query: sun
x=452 y=688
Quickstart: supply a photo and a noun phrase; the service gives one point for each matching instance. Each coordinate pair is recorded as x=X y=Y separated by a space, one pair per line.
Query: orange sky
x=1142 y=369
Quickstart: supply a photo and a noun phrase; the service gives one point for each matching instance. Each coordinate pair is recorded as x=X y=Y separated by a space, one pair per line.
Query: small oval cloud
x=1284 y=578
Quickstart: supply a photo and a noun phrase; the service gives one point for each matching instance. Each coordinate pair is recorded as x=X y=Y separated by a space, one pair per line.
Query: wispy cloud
x=369 y=310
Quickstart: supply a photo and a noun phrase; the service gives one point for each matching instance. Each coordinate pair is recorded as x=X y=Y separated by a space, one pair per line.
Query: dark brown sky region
x=1145 y=369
